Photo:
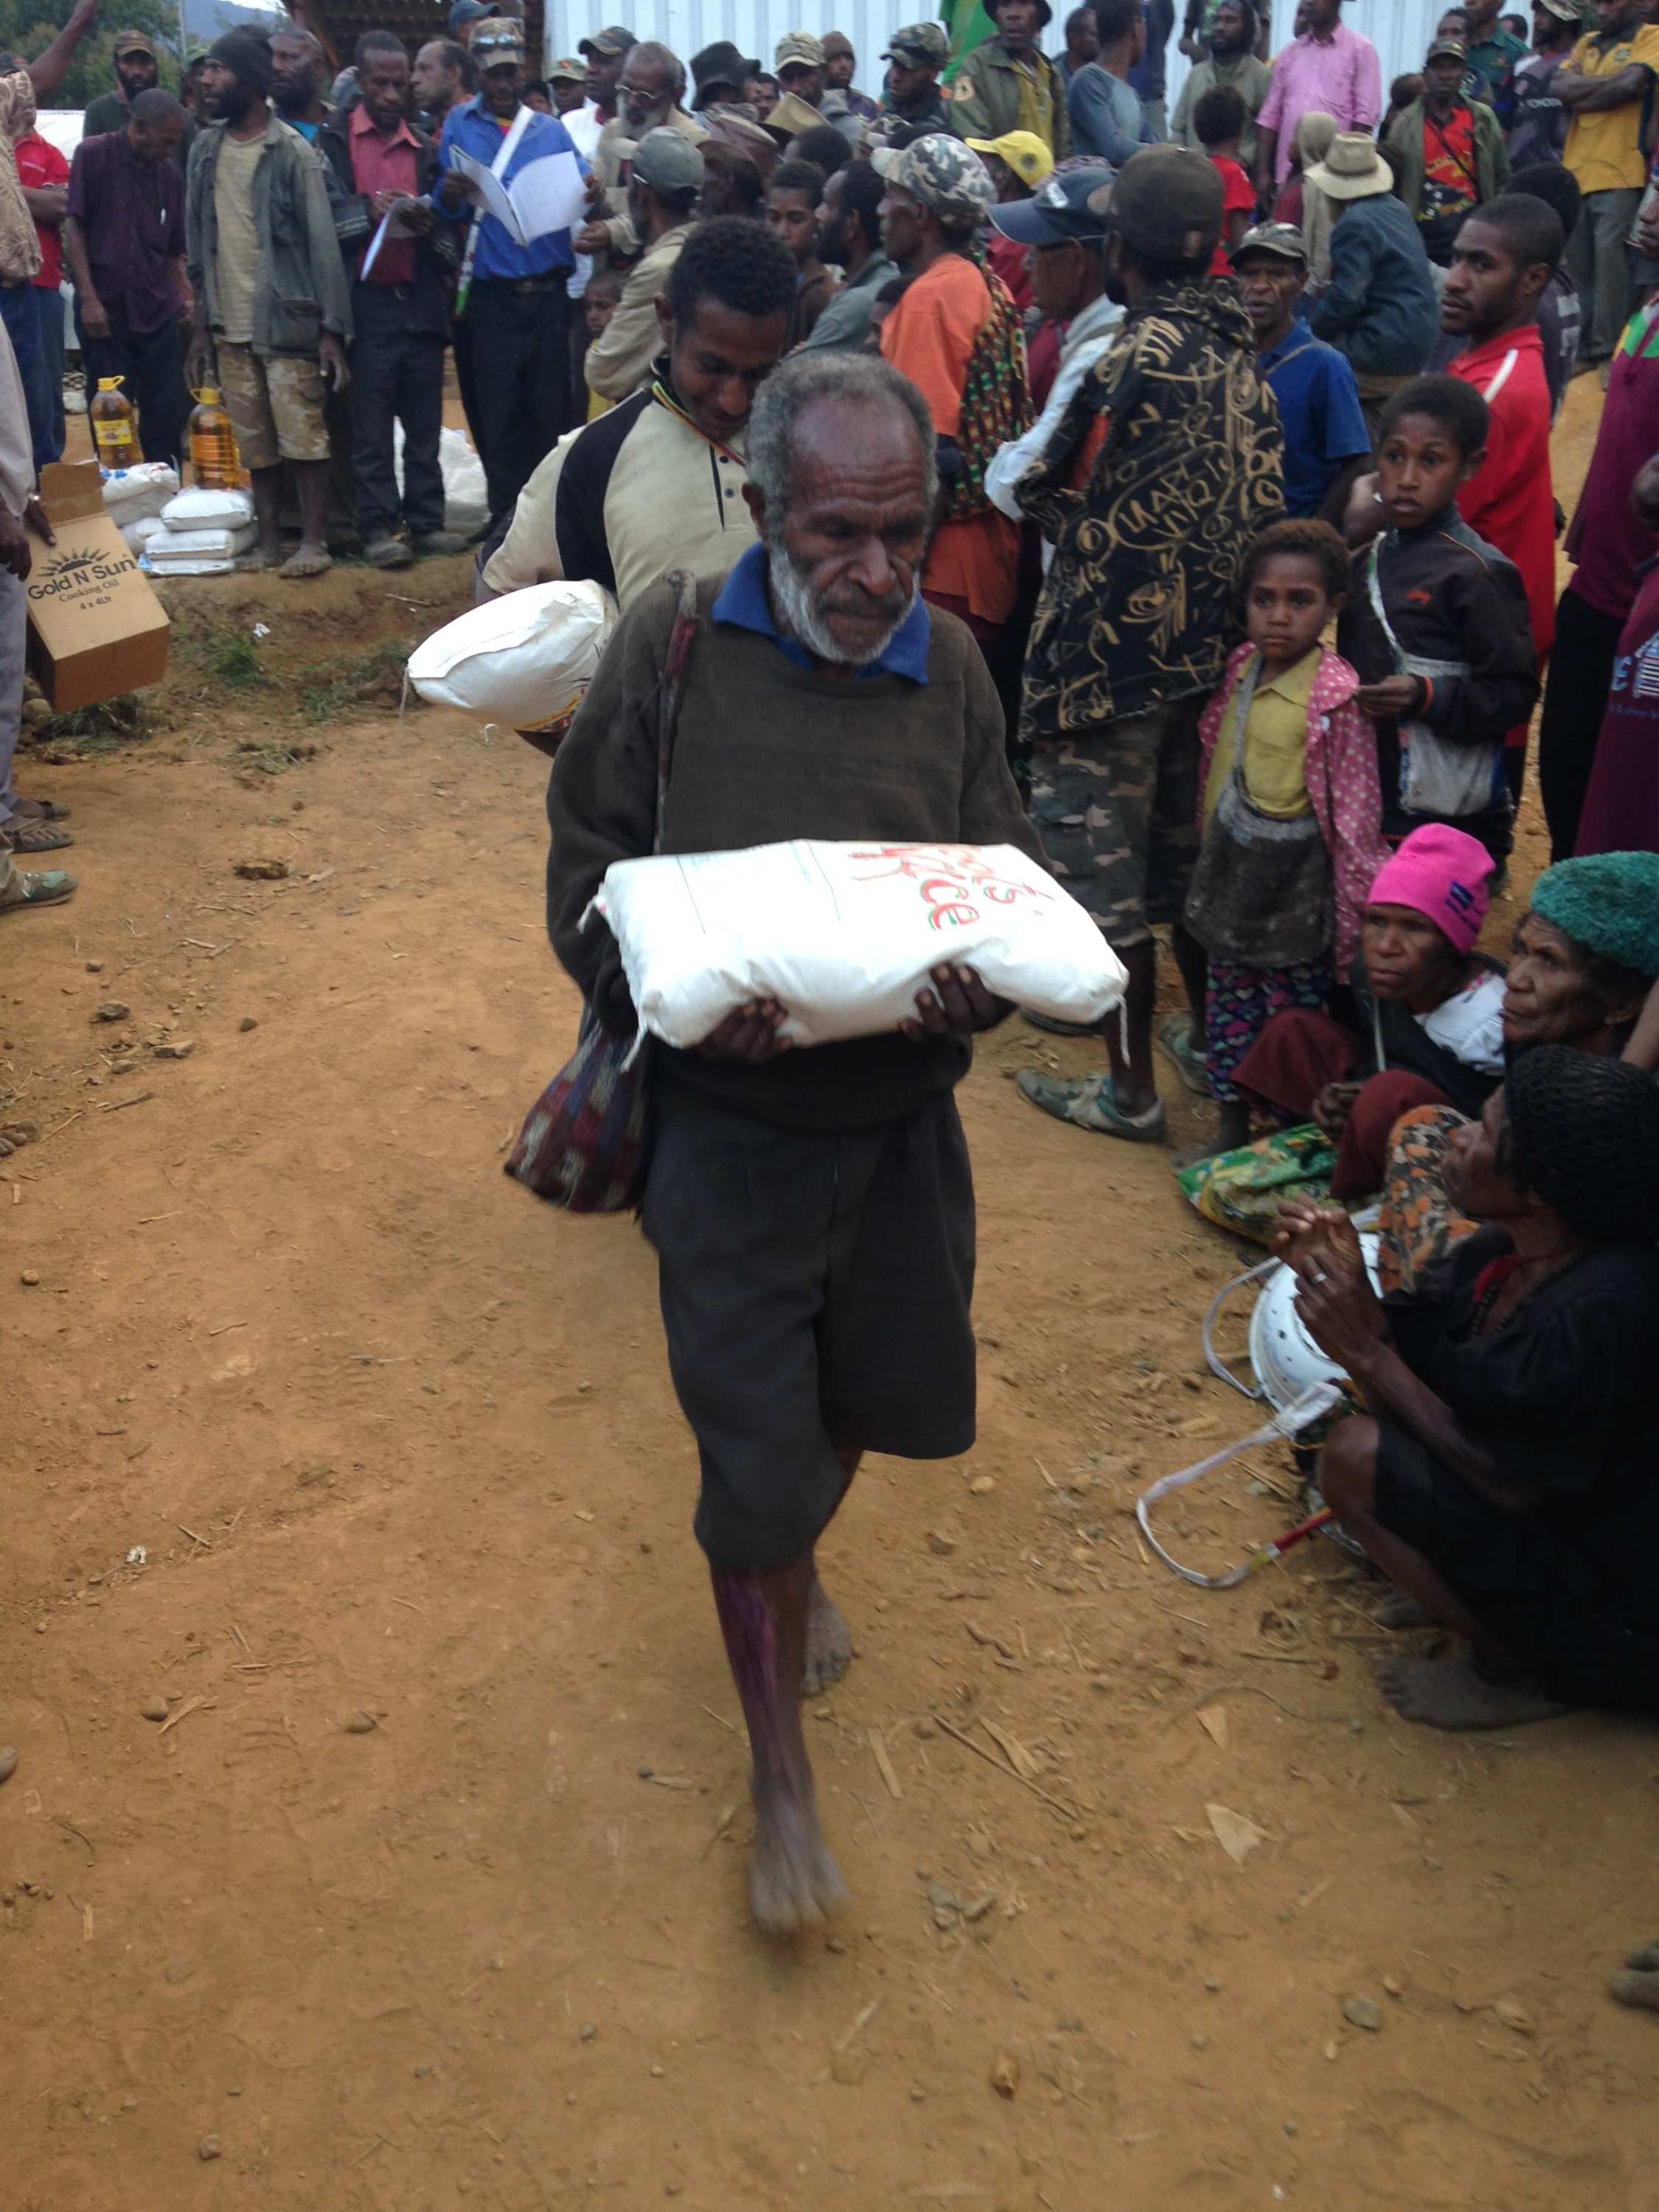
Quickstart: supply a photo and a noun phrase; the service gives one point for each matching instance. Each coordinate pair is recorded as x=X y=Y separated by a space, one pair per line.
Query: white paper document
x=546 y=194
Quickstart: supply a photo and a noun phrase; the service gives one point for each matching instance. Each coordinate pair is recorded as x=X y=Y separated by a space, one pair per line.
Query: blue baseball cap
x=1059 y=210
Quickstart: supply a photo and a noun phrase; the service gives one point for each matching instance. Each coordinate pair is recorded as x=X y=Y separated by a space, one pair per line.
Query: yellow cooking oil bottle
x=114 y=425
x=214 y=463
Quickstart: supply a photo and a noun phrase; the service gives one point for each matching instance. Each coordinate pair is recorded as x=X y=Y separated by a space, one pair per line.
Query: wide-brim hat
x=1352 y=169
x=721 y=64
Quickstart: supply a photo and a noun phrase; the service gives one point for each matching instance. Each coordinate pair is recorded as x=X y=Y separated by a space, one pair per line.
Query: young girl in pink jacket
x=1290 y=808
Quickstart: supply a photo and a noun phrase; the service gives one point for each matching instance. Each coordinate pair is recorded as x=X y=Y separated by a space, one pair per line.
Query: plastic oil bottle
x=114 y=425
x=214 y=463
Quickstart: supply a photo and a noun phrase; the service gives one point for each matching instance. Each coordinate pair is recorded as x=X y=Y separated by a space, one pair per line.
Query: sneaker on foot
x=429 y=545
x=383 y=550
x=36 y=887
x=1088 y=1101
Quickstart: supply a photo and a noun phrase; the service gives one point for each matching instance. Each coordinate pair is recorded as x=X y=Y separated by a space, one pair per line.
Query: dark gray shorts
x=816 y=1289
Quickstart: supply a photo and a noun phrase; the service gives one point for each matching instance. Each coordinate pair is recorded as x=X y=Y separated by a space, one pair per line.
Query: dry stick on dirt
x=1066 y=1812
x=120 y=1105
x=191 y=1705
x=883 y=1762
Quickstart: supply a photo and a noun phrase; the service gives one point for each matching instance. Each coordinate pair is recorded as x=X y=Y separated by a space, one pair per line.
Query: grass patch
x=274 y=757
x=88 y=733
x=334 y=686
x=227 y=655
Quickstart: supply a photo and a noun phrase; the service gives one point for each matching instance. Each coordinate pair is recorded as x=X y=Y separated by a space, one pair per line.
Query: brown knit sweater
x=767 y=749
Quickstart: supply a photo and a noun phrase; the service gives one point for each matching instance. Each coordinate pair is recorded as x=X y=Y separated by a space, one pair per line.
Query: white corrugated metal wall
x=1399 y=29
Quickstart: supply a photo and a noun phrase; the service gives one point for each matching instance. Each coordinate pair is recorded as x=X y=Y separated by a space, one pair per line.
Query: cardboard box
x=95 y=626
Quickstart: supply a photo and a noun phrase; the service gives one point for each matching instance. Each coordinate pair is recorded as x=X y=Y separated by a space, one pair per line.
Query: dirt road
x=428 y=1891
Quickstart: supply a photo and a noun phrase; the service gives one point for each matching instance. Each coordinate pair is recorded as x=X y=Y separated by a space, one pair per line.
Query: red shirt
x=1238 y=194
x=1007 y=257
x=385 y=165
x=1511 y=502
x=40 y=165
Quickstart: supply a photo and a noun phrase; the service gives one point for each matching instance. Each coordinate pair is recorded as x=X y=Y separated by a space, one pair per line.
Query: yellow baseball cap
x=1026 y=154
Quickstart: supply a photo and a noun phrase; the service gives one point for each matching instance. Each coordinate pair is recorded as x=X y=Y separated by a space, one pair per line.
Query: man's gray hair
x=857 y=380
x=652 y=50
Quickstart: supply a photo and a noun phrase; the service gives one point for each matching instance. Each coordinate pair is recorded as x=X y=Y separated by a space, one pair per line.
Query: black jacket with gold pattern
x=1162 y=469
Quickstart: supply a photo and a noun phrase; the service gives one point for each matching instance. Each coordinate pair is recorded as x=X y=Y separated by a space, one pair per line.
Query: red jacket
x=1510 y=502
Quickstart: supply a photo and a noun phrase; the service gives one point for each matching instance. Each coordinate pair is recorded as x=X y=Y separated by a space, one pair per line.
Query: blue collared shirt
x=745 y=603
x=476 y=131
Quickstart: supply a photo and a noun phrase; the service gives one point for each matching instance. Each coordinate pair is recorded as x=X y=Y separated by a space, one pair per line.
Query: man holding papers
x=511 y=199
x=399 y=261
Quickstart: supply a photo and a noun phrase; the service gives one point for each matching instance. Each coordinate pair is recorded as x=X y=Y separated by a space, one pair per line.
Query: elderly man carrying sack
x=812 y=1210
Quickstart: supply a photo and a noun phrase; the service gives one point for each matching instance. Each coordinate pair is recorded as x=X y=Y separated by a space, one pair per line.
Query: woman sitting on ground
x=1584 y=959
x=1505 y=1475
x=1428 y=1008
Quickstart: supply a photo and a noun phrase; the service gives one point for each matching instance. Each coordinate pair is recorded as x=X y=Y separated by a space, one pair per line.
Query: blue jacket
x=1379 y=307
x=474 y=130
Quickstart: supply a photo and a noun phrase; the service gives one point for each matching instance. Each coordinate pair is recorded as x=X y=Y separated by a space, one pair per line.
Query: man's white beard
x=799 y=618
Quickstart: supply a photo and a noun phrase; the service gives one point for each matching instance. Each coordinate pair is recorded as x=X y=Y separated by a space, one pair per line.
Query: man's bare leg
x=794 y=1882
x=1446 y=1693
x=1134 y=1086
x=267 y=508
x=829 y=1642
x=311 y=482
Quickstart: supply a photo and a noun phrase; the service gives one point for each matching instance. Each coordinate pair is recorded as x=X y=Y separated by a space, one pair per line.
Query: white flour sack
x=844 y=935
x=524 y=660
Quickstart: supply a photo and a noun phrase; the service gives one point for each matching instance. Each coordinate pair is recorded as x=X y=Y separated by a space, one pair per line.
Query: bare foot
x=1447 y=1693
x=1399 y=1611
x=1645 y=1958
x=793 y=1883
x=829 y=1644
x=309 y=560
x=1637 y=1988
x=264 y=556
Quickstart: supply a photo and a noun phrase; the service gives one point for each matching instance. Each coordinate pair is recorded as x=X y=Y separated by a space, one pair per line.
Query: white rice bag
x=172 y=546
x=189 y=564
x=200 y=509
x=466 y=500
x=524 y=660
x=845 y=935
x=130 y=494
x=138 y=534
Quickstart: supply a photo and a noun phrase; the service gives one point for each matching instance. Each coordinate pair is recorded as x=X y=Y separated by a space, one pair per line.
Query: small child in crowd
x=1219 y=121
x=604 y=290
x=1436 y=625
x=1290 y=808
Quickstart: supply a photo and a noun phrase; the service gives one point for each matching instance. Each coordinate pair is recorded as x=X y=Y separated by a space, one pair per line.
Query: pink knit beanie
x=1443 y=873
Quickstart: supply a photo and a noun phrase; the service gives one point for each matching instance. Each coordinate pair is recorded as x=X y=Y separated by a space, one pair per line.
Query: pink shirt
x=1340 y=77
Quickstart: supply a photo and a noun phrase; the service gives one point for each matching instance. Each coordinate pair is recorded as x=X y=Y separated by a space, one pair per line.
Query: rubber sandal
x=41 y=887
x=39 y=809
x=1174 y=1034
x=23 y=835
x=1088 y=1102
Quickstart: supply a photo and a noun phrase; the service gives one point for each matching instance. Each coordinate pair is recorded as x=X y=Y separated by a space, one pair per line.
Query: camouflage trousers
x=1117 y=808
x=275 y=404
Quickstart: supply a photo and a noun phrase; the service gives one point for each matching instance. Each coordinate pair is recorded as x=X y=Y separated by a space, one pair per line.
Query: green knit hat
x=1608 y=903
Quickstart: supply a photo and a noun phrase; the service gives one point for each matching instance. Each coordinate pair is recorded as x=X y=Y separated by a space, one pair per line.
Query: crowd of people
x=1168 y=499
